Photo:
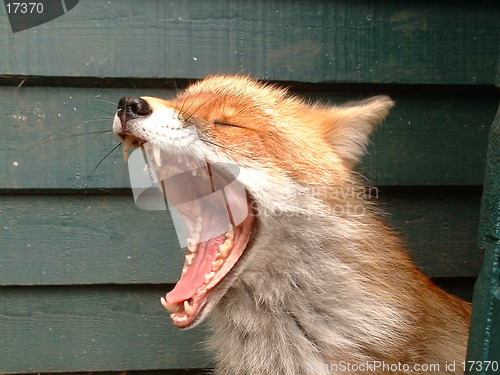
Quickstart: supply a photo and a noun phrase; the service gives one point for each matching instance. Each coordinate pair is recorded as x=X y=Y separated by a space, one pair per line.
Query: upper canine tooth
x=157 y=155
x=126 y=143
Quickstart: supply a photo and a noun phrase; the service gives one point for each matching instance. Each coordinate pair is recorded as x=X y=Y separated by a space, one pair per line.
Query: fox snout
x=131 y=108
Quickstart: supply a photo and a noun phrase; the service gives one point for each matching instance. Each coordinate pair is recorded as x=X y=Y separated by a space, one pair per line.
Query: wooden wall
x=82 y=268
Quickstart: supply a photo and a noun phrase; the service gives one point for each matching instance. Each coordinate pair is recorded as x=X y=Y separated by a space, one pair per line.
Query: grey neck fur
x=296 y=307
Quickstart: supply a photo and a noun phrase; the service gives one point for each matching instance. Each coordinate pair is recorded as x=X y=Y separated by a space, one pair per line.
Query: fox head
x=288 y=154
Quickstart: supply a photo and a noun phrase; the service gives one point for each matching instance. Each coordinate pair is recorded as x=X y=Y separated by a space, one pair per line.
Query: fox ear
x=349 y=126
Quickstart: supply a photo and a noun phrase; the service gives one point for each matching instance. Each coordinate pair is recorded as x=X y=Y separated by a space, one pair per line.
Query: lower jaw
x=184 y=314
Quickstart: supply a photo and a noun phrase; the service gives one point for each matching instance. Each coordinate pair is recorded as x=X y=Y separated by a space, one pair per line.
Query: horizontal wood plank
x=54 y=329
x=439 y=228
x=56 y=240
x=313 y=41
x=85 y=240
x=52 y=138
x=77 y=330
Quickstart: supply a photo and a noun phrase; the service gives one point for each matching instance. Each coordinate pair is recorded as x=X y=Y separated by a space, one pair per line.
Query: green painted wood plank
x=315 y=41
x=85 y=240
x=53 y=240
x=484 y=342
x=55 y=329
x=490 y=208
x=428 y=139
x=88 y=329
x=439 y=229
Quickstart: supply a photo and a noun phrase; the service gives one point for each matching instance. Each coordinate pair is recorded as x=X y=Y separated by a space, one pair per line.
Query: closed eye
x=225 y=124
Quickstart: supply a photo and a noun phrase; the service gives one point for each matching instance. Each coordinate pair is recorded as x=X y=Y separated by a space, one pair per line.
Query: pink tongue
x=194 y=278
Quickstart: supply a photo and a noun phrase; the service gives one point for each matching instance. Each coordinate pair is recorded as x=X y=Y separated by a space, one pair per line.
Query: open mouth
x=206 y=264
x=214 y=222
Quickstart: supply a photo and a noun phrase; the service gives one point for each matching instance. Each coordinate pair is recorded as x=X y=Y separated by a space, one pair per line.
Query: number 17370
x=481 y=366
x=24 y=8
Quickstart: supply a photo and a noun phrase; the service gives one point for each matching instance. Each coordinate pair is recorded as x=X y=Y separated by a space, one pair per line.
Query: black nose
x=130 y=108
x=134 y=106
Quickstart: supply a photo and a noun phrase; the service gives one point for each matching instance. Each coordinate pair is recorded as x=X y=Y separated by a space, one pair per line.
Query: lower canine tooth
x=188 y=308
x=167 y=306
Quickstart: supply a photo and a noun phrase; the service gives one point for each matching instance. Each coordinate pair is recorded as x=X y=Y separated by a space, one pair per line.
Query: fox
x=310 y=279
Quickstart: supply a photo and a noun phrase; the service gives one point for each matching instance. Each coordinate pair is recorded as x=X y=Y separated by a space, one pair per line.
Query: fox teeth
x=192 y=246
x=157 y=155
x=192 y=243
x=217 y=264
x=188 y=308
x=189 y=258
x=167 y=306
x=225 y=248
x=198 y=226
x=209 y=277
x=178 y=319
x=126 y=144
